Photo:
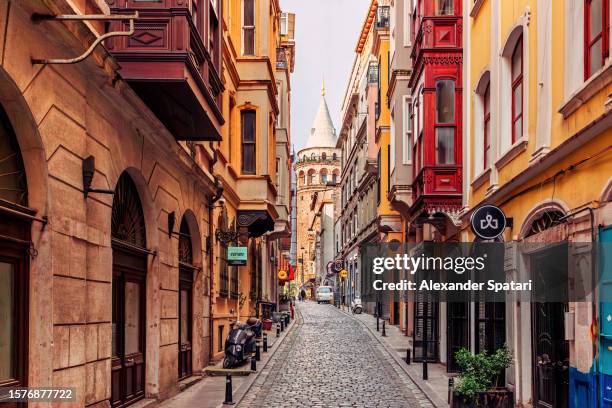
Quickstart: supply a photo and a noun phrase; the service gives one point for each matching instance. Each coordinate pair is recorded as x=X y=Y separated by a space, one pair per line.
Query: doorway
x=185 y=306
x=457 y=314
x=550 y=349
x=129 y=295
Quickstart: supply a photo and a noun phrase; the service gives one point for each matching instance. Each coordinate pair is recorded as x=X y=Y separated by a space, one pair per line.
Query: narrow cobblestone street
x=331 y=360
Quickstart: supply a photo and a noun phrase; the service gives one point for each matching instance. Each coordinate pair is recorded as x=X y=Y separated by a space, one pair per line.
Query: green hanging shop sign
x=236 y=256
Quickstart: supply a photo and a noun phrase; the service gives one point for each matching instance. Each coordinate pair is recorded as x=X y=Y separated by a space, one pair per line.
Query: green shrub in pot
x=480 y=372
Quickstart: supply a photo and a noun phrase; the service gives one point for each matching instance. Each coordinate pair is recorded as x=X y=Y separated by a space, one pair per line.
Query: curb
x=246 y=386
x=422 y=385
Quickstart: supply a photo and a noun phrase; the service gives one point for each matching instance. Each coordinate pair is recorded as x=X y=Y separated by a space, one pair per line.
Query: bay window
x=248 y=119
x=444 y=7
x=596 y=35
x=407 y=144
x=445 y=122
x=517 y=91
x=248 y=27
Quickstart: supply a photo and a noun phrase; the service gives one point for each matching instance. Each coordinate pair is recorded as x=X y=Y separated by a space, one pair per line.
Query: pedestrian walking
x=302 y=295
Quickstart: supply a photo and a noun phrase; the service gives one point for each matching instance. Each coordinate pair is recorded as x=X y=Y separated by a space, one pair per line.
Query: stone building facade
x=111 y=202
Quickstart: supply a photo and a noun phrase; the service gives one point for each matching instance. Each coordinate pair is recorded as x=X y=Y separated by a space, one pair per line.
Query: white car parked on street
x=325 y=294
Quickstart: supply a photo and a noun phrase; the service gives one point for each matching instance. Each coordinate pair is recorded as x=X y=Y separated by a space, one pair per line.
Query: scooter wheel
x=229 y=362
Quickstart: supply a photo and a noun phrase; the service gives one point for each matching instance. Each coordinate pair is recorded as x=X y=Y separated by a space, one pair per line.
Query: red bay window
x=445 y=121
x=596 y=35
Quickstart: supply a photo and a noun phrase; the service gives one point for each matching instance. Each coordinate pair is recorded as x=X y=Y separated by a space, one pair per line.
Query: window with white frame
x=486 y=128
x=284 y=24
x=392 y=141
x=248 y=27
x=407 y=132
x=445 y=121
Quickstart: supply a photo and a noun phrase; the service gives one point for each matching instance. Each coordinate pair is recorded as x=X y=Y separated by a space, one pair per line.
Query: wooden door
x=456 y=332
x=185 y=323
x=128 y=329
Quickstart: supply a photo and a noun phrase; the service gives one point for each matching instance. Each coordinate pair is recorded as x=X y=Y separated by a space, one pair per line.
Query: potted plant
x=478 y=385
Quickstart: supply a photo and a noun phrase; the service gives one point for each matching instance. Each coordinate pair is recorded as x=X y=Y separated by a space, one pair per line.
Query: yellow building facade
x=252 y=163
x=537 y=101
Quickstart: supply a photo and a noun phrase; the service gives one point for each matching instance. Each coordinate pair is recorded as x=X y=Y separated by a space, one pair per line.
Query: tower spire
x=323 y=87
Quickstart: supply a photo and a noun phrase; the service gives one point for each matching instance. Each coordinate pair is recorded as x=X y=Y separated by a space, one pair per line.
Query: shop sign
x=236 y=256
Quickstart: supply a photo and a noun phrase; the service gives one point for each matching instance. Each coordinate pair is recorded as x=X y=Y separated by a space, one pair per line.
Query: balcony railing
x=373 y=72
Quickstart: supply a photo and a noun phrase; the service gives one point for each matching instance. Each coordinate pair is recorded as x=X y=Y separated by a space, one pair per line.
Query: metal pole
x=377 y=323
x=408 y=356
x=265 y=342
x=384 y=332
x=277 y=330
x=228 y=390
x=253 y=363
x=425 y=374
x=257 y=352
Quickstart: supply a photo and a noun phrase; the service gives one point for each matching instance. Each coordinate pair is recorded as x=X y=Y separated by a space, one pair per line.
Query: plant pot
x=494 y=398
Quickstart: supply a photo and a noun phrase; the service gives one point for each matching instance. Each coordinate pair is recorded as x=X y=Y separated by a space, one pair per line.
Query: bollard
x=377 y=324
x=451 y=385
x=277 y=330
x=257 y=353
x=228 y=390
x=384 y=332
x=253 y=363
x=282 y=323
x=425 y=374
x=265 y=342
x=408 y=356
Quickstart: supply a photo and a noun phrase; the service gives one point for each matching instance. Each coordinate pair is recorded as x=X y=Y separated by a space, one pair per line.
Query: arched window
x=127 y=224
x=323 y=156
x=517 y=91
x=335 y=176
x=311 y=177
x=486 y=127
x=545 y=221
x=13 y=186
x=302 y=178
x=323 y=174
x=334 y=157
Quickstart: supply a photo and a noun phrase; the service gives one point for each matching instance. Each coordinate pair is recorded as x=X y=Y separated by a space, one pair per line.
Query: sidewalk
x=436 y=388
x=210 y=391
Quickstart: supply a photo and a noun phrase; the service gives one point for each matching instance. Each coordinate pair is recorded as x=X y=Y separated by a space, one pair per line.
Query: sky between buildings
x=326 y=34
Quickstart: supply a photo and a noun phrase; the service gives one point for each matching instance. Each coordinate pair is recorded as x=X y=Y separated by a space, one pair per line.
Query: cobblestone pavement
x=331 y=360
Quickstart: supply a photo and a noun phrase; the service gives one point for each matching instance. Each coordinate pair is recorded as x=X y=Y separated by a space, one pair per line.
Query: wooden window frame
x=248 y=144
x=486 y=140
x=444 y=125
x=515 y=84
x=223 y=272
x=603 y=35
x=249 y=27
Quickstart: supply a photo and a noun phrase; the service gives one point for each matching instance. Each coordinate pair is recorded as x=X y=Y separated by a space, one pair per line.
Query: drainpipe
x=212 y=199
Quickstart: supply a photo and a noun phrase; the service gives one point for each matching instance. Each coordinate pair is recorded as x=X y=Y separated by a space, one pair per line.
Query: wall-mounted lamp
x=89 y=169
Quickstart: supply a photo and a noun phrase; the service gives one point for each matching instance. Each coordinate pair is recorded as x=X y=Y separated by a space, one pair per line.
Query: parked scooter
x=241 y=342
x=356 y=306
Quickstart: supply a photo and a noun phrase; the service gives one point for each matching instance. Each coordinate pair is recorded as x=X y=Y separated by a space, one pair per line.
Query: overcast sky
x=326 y=33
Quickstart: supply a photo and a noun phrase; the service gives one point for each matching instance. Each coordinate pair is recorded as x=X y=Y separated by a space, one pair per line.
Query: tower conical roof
x=322 y=133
